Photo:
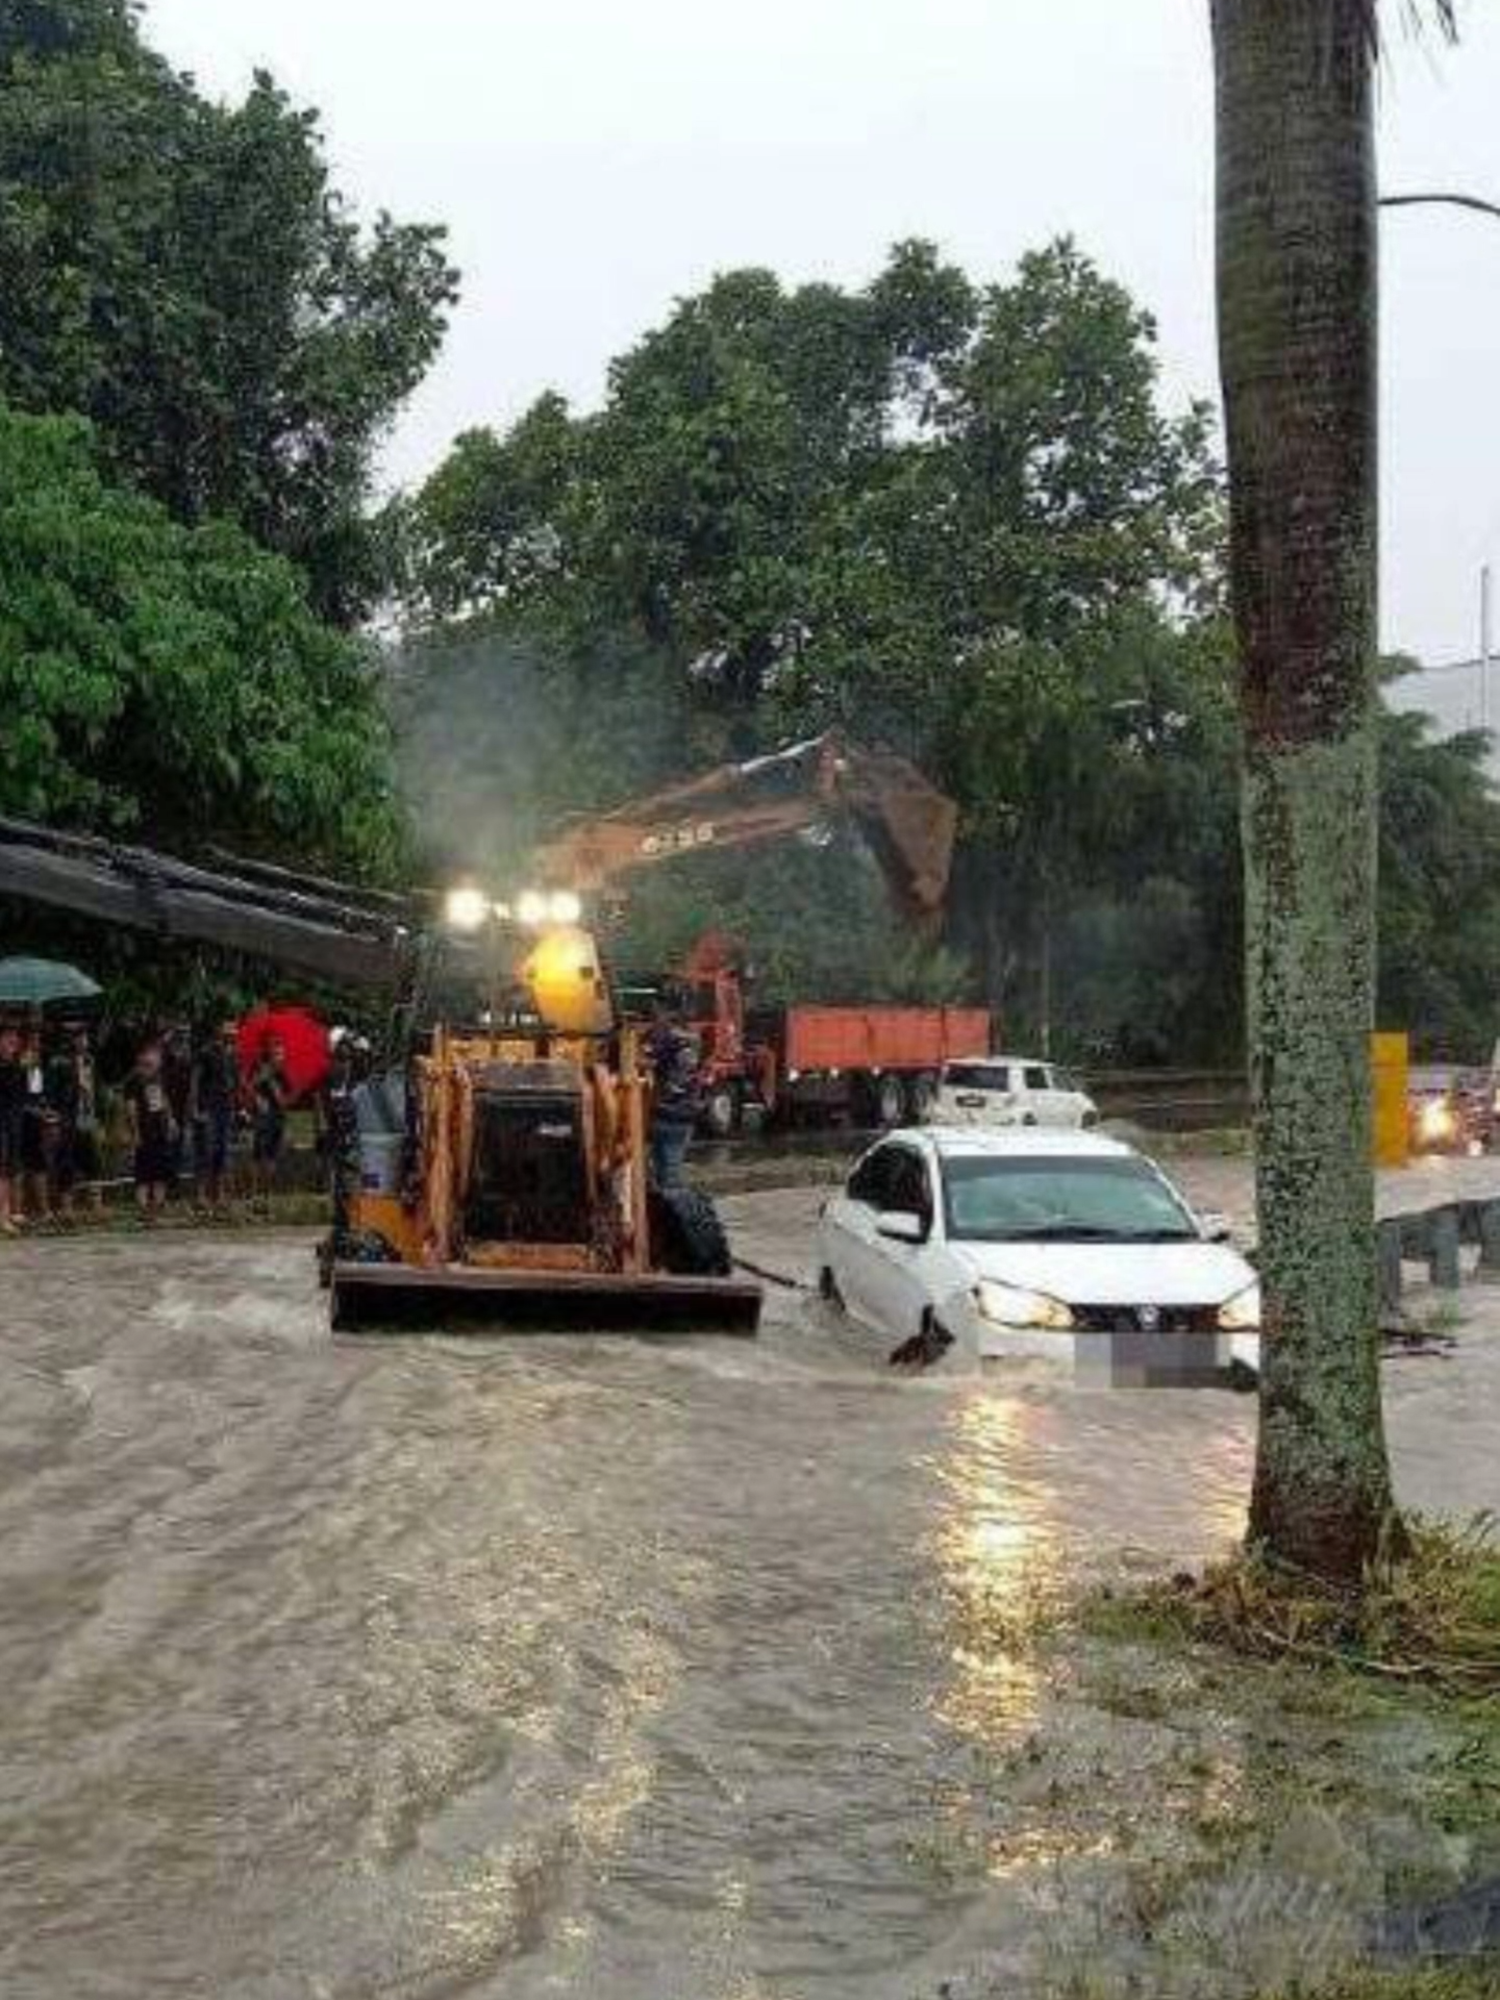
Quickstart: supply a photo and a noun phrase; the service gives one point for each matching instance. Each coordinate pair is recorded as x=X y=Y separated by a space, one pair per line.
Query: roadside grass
x=1280 y=1773
x=1430 y=1619
x=295 y=1209
x=1480 y=1981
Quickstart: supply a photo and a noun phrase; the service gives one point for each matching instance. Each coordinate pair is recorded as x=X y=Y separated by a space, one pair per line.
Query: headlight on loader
x=1241 y=1314
x=466 y=908
x=1009 y=1305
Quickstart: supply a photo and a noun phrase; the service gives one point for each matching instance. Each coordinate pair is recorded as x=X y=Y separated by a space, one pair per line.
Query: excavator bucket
x=373 y=1298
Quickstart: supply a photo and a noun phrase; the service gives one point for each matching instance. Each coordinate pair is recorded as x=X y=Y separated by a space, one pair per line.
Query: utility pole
x=1486 y=641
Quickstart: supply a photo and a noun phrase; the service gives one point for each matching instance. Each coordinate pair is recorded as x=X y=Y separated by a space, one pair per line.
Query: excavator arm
x=906 y=823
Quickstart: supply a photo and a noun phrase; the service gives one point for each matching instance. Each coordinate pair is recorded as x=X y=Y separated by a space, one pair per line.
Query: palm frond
x=1416 y=13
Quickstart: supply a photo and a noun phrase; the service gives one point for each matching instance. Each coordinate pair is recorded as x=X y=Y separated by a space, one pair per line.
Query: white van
x=1012 y=1090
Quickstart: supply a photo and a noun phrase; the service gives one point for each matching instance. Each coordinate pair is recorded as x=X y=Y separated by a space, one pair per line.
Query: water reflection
x=998 y=1557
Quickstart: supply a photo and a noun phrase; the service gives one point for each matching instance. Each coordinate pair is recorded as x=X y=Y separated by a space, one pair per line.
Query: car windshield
x=1061 y=1199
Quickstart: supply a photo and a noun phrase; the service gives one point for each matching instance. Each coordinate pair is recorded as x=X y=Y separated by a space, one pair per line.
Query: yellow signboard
x=1390 y=1065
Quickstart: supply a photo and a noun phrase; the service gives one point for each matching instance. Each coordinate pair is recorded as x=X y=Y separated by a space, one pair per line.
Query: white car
x=993 y=1245
x=1004 y=1091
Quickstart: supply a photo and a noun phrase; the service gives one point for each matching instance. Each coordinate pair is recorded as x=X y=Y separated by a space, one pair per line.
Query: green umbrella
x=42 y=982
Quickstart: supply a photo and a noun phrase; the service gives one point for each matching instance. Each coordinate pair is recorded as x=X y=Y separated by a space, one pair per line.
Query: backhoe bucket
x=371 y=1298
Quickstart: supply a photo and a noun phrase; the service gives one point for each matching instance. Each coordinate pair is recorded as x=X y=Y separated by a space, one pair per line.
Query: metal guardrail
x=1437 y=1237
x=1187 y=1100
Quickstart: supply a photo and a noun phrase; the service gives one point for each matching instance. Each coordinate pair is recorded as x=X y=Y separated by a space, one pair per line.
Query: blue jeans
x=669 y=1149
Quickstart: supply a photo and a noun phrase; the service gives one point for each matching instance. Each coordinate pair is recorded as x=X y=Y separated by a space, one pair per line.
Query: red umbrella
x=301 y=1033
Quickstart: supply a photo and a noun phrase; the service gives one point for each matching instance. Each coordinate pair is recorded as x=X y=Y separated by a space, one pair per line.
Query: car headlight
x=1241 y=1314
x=1437 y=1121
x=1008 y=1305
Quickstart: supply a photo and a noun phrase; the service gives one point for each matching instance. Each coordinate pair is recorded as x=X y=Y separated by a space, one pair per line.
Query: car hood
x=1107 y=1274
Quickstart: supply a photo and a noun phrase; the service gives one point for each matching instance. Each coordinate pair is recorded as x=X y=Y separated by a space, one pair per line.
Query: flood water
x=447 y=1667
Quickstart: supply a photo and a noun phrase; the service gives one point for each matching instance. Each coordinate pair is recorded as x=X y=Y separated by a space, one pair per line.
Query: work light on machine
x=538 y=908
x=466 y=908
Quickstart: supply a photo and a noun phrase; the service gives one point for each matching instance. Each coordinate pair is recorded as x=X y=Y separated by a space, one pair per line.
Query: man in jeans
x=12 y=1112
x=672 y=1064
x=214 y=1101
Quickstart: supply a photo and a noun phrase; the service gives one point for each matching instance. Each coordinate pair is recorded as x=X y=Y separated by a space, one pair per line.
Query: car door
x=1052 y=1102
x=896 y=1296
x=1035 y=1093
x=850 y=1240
x=1071 y=1102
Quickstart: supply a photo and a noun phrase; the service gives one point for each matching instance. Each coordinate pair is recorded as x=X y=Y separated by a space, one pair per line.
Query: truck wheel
x=687 y=1235
x=890 y=1100
x=921 y=1095
x=721 y=1112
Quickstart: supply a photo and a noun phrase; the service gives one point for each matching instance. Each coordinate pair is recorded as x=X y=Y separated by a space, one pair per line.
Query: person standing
x=338 y=1122
x=153 y=1130
x=12 y=1110
x=672 y=1063
x=214 y=1101
x=38 y=1130
x=270 y=1094
x=177 y=1079
x=73 y=1088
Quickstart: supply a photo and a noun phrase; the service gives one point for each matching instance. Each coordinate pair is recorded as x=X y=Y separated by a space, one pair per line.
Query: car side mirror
x=901 y=1225
x=1215 y=1228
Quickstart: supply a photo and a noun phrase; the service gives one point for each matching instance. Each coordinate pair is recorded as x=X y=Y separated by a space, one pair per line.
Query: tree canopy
x=184 y=273
x=173 y=681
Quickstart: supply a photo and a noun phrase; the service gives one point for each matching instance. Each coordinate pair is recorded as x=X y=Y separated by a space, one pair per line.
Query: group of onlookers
x=183 y=1101
x=49 y=1121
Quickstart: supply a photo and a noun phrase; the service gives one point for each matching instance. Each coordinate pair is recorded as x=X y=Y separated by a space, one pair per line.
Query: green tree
x=184 y=273
x=1298 y=323
x=173 y=680
x=1439 y=890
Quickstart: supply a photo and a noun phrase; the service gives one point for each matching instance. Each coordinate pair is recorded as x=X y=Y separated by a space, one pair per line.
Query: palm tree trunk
x=1298 y=316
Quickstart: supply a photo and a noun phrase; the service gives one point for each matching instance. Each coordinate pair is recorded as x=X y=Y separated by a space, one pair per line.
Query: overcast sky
x=595 y=159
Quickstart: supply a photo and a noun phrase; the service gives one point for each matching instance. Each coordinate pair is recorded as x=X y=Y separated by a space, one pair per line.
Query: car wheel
x=721 y=1112
x=928 y=1345
x=890 y=1100
x=921 y=1095
x=687 y=1234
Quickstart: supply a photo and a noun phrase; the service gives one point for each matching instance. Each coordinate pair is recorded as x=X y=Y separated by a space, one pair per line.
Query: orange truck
x=877 y=1065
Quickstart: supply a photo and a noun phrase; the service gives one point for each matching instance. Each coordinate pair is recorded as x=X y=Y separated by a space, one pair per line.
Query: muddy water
x=568 y=1666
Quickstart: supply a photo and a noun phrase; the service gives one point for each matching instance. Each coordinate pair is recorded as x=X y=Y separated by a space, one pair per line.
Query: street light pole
x=1477 y=206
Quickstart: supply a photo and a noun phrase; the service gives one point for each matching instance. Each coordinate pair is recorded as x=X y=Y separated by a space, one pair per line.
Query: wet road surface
x=412 y=1670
